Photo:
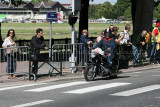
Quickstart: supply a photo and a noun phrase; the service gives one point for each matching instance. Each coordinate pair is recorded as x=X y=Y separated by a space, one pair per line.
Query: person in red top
x=156 y=32
x=154 y=40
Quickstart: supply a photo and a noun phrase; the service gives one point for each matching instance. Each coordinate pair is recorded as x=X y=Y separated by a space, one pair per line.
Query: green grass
x=27 y=30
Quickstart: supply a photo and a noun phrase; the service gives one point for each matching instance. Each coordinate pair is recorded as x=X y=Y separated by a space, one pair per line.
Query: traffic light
x=76 y=5
x=72 y=19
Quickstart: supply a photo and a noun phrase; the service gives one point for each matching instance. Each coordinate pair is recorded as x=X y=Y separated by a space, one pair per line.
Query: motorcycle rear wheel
x=112 y=76
x=90 y=72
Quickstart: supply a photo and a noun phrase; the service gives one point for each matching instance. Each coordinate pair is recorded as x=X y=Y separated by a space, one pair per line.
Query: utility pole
x=0 y=36
x=76 y=6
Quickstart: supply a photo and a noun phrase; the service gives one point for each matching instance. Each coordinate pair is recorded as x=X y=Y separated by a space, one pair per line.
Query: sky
x=94 y=2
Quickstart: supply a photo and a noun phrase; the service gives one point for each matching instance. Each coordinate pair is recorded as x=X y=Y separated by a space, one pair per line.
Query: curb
x=62 y=79
x=141 y=69
x=77 y=76
x=82 y=77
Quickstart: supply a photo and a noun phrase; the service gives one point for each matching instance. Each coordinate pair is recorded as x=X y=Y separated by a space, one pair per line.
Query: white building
x=31 y=11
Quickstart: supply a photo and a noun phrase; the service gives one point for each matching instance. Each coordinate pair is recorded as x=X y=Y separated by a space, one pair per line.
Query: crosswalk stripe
x=134 y=75
x=96 y=88
x=57 y=86
x=33 y=103
x=137 y=91
x=156 y=75
x=21 y=86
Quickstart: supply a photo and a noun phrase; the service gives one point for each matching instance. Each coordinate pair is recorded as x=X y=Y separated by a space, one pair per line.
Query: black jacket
x=37 y=43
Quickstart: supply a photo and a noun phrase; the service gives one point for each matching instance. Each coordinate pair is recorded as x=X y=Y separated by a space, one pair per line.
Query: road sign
x=52 y=17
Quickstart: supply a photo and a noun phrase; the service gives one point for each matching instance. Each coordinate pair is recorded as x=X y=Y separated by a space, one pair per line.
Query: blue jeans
x=11 y=63
x=135 y=54
x=153 y=51
x=109 y=60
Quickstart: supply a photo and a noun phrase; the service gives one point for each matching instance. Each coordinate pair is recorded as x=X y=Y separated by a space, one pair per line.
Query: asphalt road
x=137 y=89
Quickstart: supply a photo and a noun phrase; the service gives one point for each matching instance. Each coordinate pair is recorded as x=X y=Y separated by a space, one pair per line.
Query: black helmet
x=107 y=34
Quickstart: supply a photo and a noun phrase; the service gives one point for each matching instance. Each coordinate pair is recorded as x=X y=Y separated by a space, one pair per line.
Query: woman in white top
x=11 y=62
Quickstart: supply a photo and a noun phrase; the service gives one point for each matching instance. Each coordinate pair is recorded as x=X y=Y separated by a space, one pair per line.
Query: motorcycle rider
x=107 y=44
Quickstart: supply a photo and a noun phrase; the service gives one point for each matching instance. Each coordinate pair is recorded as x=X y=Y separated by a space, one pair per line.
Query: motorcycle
x=98 y=66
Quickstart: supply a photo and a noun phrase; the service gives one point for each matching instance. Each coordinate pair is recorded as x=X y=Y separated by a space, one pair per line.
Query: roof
x=21 y=6
x=35 y=6
x=46 y=4
x=3 y=5
x=66 y=4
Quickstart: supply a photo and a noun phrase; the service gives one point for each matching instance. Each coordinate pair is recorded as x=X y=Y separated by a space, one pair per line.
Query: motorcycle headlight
x=93 y=55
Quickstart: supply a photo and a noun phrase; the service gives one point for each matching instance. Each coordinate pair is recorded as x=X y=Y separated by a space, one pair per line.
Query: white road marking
x=33 y=103
x=96 y=88
x=56 y=86
x=157 y=97
x=21 y=86
x=134 y=75
x=137 y=91
x=155 y=75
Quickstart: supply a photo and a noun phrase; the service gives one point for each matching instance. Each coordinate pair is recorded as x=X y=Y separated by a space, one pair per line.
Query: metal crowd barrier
x=45 y=67
x=63 y=57
x=15 y=61
x=62 y=53
x=126 y=51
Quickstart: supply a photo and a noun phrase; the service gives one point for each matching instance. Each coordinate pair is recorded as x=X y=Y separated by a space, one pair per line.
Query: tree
x=156 y=12
x=83 y=22
x=92 y=12
x=127 y=14
x=156 y=2
x=142 y=15
x=13 y=2
x=120 y=7
x=105 y=10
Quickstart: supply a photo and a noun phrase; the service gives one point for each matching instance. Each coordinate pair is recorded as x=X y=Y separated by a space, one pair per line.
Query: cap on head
x=158 y=23
x=144 y=32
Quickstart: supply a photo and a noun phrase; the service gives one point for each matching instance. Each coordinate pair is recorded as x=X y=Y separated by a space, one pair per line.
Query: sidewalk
x=67 y=75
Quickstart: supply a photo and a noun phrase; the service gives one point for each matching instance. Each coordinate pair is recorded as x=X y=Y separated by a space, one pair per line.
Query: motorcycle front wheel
x=90 y=72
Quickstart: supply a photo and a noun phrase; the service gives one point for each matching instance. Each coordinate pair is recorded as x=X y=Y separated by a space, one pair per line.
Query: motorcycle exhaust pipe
x=106 y=70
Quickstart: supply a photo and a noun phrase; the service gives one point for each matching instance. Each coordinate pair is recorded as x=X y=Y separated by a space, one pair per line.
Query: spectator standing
x=114 y=33
x=84 y=48
x=126 y=46
x=157 y=55
x=101 y=36
x=124 y=35
x=154 y=40
x=148 y=41
x=123 y=41
x=10 y=53
x=139 y=43
x=109 y=30
x=37 y=43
